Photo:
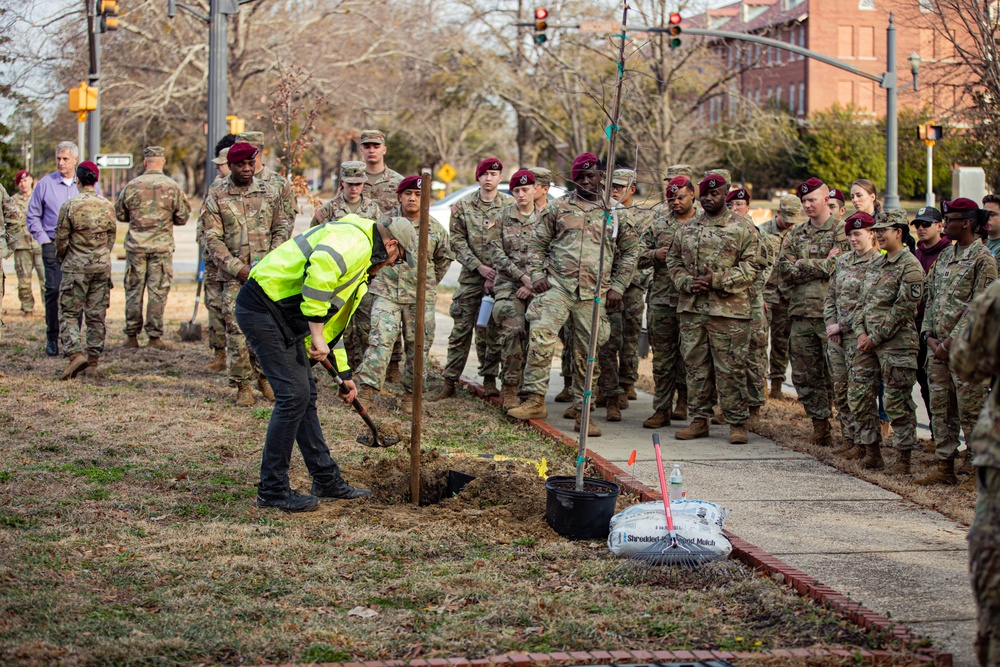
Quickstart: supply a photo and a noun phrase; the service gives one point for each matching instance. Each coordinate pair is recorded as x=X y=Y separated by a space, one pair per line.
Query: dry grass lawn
x=128 y=534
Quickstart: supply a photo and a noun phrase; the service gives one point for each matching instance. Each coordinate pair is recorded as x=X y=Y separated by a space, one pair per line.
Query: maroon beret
x=583 y=162
x=959 y=205
x=522 y=177
x=676 y=184
x=738 y=194
x=408 y=183
x=19 y=176
x=837 y=194
x=240 y=152
x=91 y=167
x=489 y=164
x=860 y=220
x=710 y=181
x=809 y=186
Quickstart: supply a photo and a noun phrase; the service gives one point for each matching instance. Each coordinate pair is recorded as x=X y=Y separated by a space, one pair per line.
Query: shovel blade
x=191 y=331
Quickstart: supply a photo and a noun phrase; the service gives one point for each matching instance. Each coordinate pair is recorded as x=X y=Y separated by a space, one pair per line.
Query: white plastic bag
x=638 y=526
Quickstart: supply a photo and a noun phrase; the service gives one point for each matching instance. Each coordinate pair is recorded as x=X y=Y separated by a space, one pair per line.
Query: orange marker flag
x=631 y=459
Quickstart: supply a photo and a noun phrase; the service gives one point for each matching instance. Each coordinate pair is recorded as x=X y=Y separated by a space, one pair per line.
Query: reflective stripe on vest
x=307 y=250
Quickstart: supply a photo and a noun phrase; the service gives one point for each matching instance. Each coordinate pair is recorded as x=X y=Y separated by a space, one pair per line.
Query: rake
x=374 y=440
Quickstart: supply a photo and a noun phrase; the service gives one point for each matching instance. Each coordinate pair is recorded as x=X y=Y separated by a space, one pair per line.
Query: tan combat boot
x=970 y=484
x=630 y=392
x=406 y=403
x=623 y=401
x=944 y=474
x=132 y=342
x=738 y=435
x=244 y=395
x=92 y=361
x=776 y=393
x=533 y=407
x=446 y=392
x=159 y=344
x=697 y=429
x=873 y=459
x=593 y=430
x=366 y=396
x=754 y=414
x=509 y=394
x=718 y=417
x=902 y=464
x=265 y=388
x=821 y=433
x=614 y=412
x=659 y=418
x=599 y=401
x=490 y=386
x=393 y=374
x=218 y=363
x=572 y=412
x=680 y=411
x=77 y=362
x=566 y=395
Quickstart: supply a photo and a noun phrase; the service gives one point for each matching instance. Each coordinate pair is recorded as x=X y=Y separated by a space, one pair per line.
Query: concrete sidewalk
x=897 y=558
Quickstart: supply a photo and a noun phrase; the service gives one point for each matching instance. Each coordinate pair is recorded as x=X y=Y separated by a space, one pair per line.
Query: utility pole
x=93 y=80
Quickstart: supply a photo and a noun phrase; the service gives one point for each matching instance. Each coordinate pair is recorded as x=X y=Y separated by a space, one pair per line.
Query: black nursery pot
x=580 y=515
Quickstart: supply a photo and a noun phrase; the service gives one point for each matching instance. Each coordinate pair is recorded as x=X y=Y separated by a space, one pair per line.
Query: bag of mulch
x=638 y=526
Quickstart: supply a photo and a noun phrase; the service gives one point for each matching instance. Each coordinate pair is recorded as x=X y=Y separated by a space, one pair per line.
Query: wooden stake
x=416 y=420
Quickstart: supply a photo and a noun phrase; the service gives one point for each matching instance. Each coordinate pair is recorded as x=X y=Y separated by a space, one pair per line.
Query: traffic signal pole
x=93 y=80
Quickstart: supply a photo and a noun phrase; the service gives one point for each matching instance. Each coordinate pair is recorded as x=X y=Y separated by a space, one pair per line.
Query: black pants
x=53 y=278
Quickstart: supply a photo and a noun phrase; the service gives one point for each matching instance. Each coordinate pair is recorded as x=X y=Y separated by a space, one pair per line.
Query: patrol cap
x=543 y=176
x=403 y=231
x=255 y=139
x=352 y=172
x=887 y=219
x=790 y=208
x=679 y=170
x=371 y=137
x=221 y=159
x=152 y=151
x=720 y=172
x=810 y=185
x=929 y=214
x=624 y=177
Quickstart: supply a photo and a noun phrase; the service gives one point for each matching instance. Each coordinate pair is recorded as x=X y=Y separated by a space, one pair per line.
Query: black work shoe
x=340 y=490
x=293 y=502
x=52 y=348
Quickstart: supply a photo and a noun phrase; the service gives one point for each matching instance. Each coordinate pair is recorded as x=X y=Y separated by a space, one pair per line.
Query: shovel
x=374 y=440
x=191 y=331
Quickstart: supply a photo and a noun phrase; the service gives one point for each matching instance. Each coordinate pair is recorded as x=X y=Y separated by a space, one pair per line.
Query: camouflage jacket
x=768 y=257
x=958 y=276
x=806 y=284
x=509 y=235
x=85 y=233
x=890 y=292
x=381 y=188
x=151 y=204
x=642 y=219
x=9 y=228
x=975 y=357
x=731 y=247
x=199 y=228
x=566 y=246
x=289 y=203
x=843 y=296
x=660 y=234
x=14 y=210
x=773 y=236
x=337 y=208
x=469 y=237
x=398 y=283
x=242 y=225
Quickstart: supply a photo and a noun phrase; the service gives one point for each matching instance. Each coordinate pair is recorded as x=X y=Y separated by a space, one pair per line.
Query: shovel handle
x=356 y=404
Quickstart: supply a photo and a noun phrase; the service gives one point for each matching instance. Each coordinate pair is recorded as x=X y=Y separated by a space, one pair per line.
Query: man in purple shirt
x=43 y=213
x=930 y=242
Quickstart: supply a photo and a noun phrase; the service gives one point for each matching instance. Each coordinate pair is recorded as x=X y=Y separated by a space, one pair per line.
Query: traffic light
x=109 y=15
x=541 y=25
x=237 y=125
x=930 y=132
x=674 y=30
x=83 y=99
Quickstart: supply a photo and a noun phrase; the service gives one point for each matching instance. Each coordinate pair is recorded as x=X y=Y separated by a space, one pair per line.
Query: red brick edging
x=745 y=552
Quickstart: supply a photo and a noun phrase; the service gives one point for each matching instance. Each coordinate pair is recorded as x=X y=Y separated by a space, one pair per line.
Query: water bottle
x=485 y=310
x=676 y=484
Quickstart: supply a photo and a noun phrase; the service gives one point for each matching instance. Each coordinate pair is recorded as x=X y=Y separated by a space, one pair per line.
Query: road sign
x=120 y=161
x=599 y=26
x=447 y=173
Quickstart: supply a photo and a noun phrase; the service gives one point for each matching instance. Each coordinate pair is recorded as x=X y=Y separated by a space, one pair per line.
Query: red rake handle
x=664 y=490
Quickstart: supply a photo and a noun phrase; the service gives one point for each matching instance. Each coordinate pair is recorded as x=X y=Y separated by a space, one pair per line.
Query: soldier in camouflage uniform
x=381 y=182
x=10 y=231
x=789 y=215
x=151 y=205
x=805 y=263
x=243 y=221
x=713 y=261
x=563 y=263
x=663 y=322
x=469 y=219
x=885 y=326
x=210 y=276
x=974 y=358
x=843 y=299
x=961 y=273
x=27 y=252
x=281 y=185
x=509 y=235
x=85 y=235
x=394 y=308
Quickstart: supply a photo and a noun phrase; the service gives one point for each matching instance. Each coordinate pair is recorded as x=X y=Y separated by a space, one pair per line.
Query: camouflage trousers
x=89 y=295
x=955 y=405
x=26 y=262
x=898 y=373
x=509 y=315
x=358 y=330
x=984 y=566
x=464 y=311
x=810 y=375
x=668 y=362
x=152 y=273
x=607 y=357
x=241 y=362
x=388 y=320
x=634 y=305
x=838 y=357
x=2 y=281
x=546 y=315
x=780 y=327
x=757 y=358
x=566 y=337
x=715 y=357
x=213 y=304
